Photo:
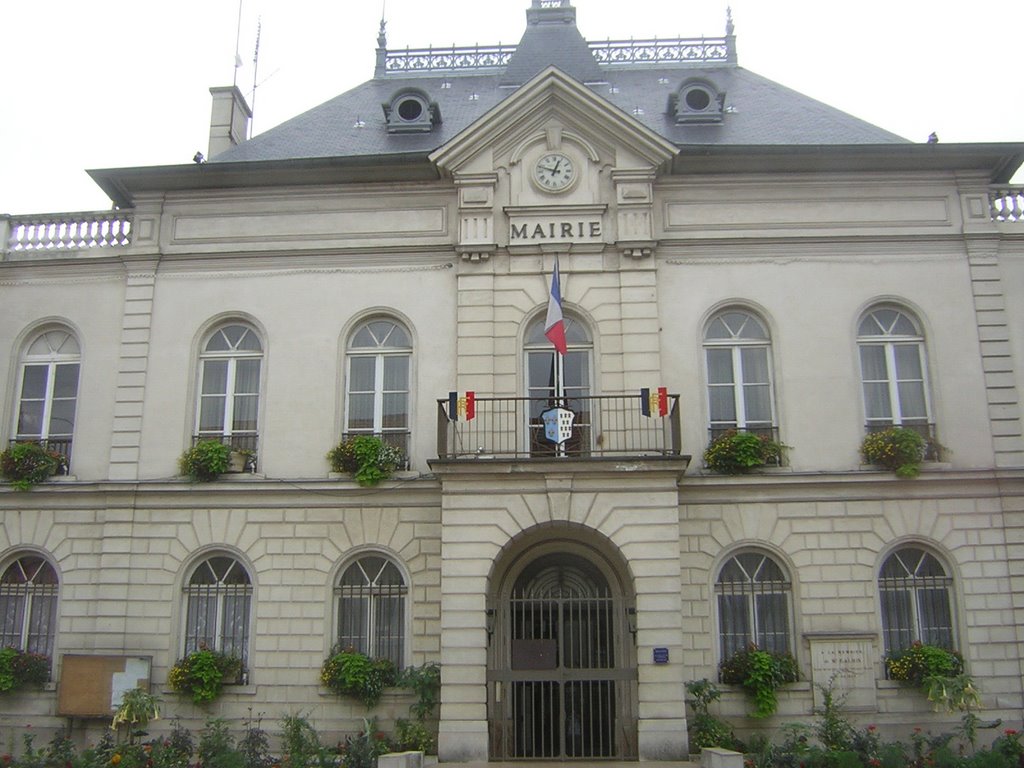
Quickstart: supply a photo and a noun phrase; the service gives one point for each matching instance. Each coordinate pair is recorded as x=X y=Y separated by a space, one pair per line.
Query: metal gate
x=561 y=681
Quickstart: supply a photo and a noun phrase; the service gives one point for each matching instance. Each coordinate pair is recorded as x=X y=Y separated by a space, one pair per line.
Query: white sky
x=105 y=83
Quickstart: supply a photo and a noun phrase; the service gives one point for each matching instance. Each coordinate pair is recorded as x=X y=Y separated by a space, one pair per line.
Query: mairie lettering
x=555 y=230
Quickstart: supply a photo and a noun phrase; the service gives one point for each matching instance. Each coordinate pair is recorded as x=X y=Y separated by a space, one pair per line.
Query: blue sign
x=661 y=655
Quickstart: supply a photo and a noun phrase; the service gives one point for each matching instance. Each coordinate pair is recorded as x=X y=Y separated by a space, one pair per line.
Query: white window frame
x=232 y=356
x=52 y=361
x=736 y=344
x=889 y=341
x=378 y=353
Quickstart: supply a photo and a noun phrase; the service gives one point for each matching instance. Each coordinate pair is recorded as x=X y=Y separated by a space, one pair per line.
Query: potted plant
x=350 y=673
x=206 y=460
x=735 y=452
x=760 y=673
x=241 y=460
x=938 y=672
x=21 y=669
x=201 y=674
x=26 y=464
x=897 y=448
x=367 y=458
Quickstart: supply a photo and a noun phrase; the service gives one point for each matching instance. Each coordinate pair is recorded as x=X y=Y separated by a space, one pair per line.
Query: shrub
x=706 y=730
x=414 y=735
x=136 y=709
x=206 y=460
x=356 y=675
x=425 y=682
x=920 y=661
x=369 y=459
x=897 y=448
x=201 y=674
x=736 y=452
x=20 y=669
x=760 y=673
x=26 y=464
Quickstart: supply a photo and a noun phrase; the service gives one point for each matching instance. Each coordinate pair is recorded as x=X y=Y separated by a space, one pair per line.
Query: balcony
x=603 y=426
x=62 y=234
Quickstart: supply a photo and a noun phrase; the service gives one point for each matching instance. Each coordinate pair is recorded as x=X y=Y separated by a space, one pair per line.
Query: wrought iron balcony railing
x=603 y=426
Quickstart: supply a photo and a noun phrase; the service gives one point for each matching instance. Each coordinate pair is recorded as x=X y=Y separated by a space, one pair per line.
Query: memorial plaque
x=849 y=664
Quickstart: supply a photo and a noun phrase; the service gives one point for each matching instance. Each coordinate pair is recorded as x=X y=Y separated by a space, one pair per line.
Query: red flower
x=872 y=728
x=1010 y=732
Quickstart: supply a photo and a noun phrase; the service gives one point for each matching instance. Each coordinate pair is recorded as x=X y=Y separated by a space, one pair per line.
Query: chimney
x=229 y=119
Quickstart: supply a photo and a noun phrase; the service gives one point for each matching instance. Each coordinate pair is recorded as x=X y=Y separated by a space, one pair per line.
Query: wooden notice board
x=92 y=686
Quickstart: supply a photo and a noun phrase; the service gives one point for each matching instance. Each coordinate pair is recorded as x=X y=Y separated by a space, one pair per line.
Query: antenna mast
x=238 y=37
x=255 y=68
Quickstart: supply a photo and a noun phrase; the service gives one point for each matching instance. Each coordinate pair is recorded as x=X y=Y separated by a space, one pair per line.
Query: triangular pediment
x=552 y=98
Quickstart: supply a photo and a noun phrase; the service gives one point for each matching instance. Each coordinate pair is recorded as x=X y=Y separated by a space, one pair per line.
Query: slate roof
x=759 y=112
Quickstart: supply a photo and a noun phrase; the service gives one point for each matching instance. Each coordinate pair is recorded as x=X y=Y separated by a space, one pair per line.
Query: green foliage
x=201 y=674
x=955 y=693
x=363 y=749
x=136 y=710
x=26 y=464
x=369 y=459
x=356 y=675
x=217 y=746
x=897 y=448
x=733 y=452
x=760 y=673
x=300 y=745
x=834 y=731
x=921 y=661
x=19 y=669
x=206 y=460
x=254 y=746
x=706 y=730
x=414 y=735
x=425 y=682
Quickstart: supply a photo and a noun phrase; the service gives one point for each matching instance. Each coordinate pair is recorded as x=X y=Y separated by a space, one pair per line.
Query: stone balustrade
x=1007 y=204
x=59 y=232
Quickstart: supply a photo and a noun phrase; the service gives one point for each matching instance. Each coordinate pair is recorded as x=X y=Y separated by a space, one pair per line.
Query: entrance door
x=562 y=681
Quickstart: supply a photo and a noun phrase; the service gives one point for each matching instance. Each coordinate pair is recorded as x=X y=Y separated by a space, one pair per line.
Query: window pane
x=872 y=363
x=395 y=411
x=33 y=381
x=360 y=412
x=30 y=419
x=215 y=377
x=396 y=373
x=772 y=622
x=542 y=371
x=353 y=613
x=720 y=366
x=734 y=623
x=897 y=620
x=912 y=400
x=723 y=405
x=362 y=374
x=244 y=416
x=575 y=370
x=876 y=401
x=211 y=414
x=65 y=382
x=758 y=403
x=908 y=361
x=247 y=376
x=62 y=418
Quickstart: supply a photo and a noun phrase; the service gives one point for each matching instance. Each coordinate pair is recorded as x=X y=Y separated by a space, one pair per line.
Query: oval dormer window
x=410 y=110
x=697 y=101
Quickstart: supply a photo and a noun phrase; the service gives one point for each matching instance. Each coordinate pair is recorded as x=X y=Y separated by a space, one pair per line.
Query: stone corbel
x=637 y=250
x=634 y=197
x=476 y=216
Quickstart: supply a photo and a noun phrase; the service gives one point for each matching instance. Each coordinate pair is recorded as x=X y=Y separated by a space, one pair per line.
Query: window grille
x=371 y=599
x=915 y=598
x=753 y=604
x=219 y=606
x=28 y=605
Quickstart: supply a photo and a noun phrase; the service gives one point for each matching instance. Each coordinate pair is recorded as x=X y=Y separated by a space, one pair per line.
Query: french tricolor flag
x=554 y=325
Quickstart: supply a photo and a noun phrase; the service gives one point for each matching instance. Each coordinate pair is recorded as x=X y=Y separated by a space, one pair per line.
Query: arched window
x=559 y=380
x=377 y=402
x=916 y=604
x=893 y=366
x=48 y=391
x=737 y=354
x=218 y=607
x=371 y=597
x=754 y=596
x=229 y=386
x=28 y=605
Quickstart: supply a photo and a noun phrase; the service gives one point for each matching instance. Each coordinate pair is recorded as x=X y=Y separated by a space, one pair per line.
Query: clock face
x=554 y=172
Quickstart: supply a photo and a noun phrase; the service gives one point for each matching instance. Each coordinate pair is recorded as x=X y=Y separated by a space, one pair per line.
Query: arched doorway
x=562 y=661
